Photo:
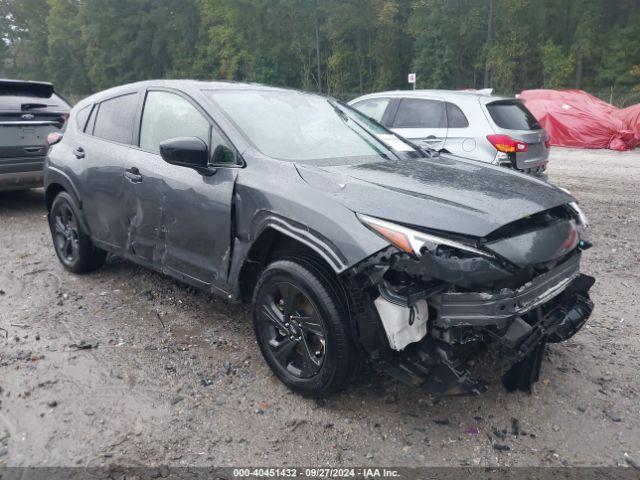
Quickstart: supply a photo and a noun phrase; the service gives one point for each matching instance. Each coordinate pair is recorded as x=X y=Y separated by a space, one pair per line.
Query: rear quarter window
x=456 y=117
x=115 y=117
x=512 y=116
x=82 y=116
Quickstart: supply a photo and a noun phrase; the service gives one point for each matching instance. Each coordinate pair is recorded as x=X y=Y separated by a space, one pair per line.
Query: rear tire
x=301 y=326
x=71 y=242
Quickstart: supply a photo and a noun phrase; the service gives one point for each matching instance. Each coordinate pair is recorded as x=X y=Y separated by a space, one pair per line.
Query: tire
x=71 y=242
x=316 y=317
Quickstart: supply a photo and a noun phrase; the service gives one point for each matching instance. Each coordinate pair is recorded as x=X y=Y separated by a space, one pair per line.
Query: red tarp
x=630 y=117
x=574 y=118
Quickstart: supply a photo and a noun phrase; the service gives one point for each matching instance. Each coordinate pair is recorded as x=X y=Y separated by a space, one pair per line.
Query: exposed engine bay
x=423 y=306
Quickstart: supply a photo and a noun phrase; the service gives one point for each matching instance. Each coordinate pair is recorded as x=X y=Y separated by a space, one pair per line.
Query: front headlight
x=413 y=241
x=582 y=218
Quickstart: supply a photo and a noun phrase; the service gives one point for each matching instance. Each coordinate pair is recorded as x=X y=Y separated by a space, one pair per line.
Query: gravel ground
x=128 y=367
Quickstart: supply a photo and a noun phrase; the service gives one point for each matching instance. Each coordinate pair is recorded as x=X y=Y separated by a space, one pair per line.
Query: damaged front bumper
x=550 y=308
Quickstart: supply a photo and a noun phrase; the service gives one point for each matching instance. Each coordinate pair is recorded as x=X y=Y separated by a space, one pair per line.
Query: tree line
x=339 y=47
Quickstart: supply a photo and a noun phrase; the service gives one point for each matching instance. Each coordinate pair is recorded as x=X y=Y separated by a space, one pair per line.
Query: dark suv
x=350 y=243
x=29 y=113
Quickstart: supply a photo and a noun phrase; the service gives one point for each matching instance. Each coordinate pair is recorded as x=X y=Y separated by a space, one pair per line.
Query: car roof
x=192 y=86
x=483 y=95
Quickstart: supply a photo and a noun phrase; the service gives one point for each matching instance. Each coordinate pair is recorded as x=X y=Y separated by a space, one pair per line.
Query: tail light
x=506 y=144
x=547 y=143
x=53 y=138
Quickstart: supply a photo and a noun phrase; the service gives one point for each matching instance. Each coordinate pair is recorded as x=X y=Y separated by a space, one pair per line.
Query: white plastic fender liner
x=403 y=325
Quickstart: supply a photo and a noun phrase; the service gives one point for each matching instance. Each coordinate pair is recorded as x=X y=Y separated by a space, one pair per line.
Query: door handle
x=133 y=175
x=79 y=152
x=430 y=141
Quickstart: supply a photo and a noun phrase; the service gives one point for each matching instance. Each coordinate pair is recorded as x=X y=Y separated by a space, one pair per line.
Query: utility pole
x=317 y=28
x=488 y=42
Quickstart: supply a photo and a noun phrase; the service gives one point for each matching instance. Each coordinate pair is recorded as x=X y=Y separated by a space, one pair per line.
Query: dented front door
x=180 y=220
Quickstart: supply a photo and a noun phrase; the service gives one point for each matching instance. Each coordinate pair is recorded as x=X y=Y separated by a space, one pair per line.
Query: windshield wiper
x=33 y=106
x=348 y=120
x=426 y=151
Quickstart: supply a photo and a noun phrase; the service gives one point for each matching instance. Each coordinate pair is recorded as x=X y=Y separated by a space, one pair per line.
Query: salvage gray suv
x=350 y=243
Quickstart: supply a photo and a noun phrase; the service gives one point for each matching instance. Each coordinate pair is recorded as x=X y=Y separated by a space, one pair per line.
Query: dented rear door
x=101 y=152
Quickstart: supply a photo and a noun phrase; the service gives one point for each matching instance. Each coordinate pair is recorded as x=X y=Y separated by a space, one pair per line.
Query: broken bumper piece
x=548 y=310
x=433 y=367
x=478 y=309
x=555 y=322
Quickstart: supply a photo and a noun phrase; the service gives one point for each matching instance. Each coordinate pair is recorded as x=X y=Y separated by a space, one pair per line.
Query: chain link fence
x=619 y=98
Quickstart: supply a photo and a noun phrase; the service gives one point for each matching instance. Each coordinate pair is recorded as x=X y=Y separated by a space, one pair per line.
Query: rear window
x=28 y=103
x=512 y=116
x=115 y=117
x=419 y=113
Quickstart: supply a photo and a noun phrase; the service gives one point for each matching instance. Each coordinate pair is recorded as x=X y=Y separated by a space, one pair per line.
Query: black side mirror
x=187 y=152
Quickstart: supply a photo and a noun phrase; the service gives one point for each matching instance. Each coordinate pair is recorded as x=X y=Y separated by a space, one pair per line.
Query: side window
x=373 y=108
x=456 y=117
x=420 y=113
x=114 y=120
x=82 y=117
x=167 y=115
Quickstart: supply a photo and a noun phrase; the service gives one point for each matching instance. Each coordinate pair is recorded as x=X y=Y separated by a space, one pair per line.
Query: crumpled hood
x=444 y=193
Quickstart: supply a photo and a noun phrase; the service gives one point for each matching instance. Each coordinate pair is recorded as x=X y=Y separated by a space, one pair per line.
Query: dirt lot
x=175 y=376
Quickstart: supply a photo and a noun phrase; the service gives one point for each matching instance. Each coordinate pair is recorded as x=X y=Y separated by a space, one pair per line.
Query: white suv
x=474 y=125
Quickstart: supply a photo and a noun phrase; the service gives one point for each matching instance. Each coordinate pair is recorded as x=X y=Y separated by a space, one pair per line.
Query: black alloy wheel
x=71 y=242
x=294 y=329
x=301 y=324
x=65 y=234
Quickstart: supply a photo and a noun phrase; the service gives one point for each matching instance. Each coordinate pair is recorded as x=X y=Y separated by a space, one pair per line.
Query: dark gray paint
x=444 y=193
x=540 y=245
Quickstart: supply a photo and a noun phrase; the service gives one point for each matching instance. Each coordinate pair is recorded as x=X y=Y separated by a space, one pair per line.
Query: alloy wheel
x=65 y=237
x=293 y=330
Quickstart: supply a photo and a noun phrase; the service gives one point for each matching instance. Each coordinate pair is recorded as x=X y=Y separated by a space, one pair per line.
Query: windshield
x=299 y=126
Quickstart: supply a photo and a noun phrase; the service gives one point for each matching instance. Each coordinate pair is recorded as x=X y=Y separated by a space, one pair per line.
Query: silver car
x=474 y=125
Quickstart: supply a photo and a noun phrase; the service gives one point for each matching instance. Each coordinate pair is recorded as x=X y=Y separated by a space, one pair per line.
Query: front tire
x=72 y=243
x=301 y=326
